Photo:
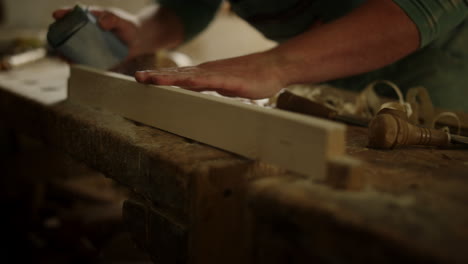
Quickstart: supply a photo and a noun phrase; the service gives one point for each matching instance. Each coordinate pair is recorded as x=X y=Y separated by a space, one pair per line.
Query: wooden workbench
x=196 y=204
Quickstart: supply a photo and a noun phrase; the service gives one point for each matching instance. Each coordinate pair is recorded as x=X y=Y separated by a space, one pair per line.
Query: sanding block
x=78 y=37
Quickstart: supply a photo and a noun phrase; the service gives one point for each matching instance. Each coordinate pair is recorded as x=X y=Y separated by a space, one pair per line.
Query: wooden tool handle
x=390 y=129
x=294 y=103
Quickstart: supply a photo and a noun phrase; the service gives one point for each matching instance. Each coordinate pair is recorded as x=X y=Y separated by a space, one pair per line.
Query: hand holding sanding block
x=78 y=37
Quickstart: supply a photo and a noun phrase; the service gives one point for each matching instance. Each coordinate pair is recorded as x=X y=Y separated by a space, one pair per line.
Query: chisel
x=298 y=104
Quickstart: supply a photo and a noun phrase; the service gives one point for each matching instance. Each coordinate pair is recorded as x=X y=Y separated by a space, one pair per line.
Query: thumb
x=108 y=21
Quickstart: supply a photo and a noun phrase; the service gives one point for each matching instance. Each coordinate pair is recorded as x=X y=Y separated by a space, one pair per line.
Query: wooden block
x=296 y=142
x=219 y=223
x=345 y=173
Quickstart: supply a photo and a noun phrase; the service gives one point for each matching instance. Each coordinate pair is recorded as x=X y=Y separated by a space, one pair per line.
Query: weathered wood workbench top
x=199 y=204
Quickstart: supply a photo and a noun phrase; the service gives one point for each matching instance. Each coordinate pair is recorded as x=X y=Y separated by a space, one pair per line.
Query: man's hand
x=253 y=76
x=125 y=29
x=142 y=35
x=374 y=35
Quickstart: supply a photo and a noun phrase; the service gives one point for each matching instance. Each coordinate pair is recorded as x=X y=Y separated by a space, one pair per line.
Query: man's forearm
x=374 y=35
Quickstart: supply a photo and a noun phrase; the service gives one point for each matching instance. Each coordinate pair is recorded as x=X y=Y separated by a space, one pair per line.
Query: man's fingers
x=107 y=20
x=59 y=13
x=165 y=76
x=142 y=76
x=147 y=76
x=189 y=79
x=170 y=76
x=123 y=28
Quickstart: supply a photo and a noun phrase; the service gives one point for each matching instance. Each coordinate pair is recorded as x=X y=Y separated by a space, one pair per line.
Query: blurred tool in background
x=20 y=51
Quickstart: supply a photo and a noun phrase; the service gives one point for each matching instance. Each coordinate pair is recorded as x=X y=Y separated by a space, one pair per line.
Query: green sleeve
x=195 y=15
x=434 y=17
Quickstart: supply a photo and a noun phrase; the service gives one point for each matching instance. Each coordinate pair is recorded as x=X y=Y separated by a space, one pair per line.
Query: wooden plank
x=292 y=141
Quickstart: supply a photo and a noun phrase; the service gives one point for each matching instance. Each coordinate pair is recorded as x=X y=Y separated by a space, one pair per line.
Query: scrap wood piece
x=299 y=143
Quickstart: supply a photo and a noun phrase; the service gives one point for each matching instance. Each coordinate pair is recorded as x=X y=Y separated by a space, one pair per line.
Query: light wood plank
x=292 y=141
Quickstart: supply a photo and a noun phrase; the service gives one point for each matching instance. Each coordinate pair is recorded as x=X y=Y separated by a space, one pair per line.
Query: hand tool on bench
x=390 y=128
x=16 y=60
x=298 y=104
x=19 y=51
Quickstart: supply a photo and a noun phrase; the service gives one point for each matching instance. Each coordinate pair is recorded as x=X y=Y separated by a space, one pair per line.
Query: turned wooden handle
x=390 y=129
x=298 y=104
